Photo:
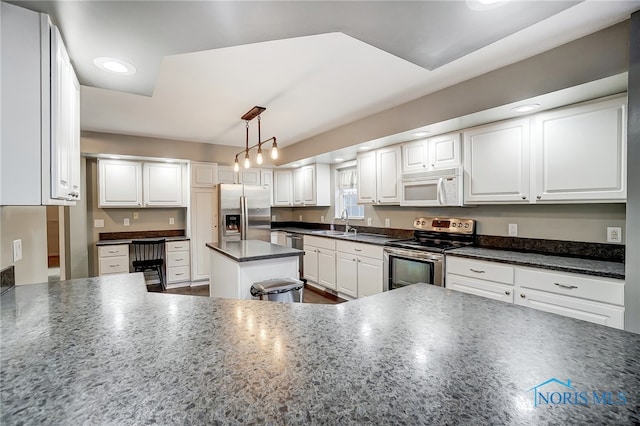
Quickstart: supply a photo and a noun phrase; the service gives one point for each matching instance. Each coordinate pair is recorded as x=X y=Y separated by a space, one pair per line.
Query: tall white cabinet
x=378 y=176
x=204 y=219
x=40 y=143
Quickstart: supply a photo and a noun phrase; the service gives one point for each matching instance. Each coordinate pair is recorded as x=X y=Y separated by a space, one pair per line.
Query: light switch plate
x=172 y=221
x=17 y=250
x=368 y=221
x=126 y=221
x=513 y=229
x=321 y=219
x=387 y=223
x=98 y=223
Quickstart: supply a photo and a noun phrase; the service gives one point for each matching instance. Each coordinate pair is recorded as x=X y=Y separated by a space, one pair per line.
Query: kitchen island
x=237 y=265
x=104 y=351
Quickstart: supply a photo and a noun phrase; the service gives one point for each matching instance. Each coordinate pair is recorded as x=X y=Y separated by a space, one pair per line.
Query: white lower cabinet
x=359 y=270
x=593 y=299
x=177 y=262
x=113 y=259
x=320 y=261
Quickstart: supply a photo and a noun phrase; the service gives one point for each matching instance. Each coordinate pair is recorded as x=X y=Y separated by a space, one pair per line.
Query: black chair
x=149 y=255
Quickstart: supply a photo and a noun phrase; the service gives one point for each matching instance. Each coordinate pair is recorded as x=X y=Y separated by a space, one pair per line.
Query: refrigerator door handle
x=244 y=218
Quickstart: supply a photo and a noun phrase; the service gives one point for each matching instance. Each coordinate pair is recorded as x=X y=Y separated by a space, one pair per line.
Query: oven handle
x=407 y=254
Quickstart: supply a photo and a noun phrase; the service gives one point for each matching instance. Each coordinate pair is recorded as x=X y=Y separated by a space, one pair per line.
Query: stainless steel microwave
x=433 y=188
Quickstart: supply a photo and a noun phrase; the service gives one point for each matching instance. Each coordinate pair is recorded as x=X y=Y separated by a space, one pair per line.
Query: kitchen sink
x=329 y=232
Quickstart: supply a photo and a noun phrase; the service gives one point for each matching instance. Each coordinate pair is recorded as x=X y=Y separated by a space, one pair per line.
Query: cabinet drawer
x=177 y=274
x=586 y=310
x=604 y=290
x=325 y=243
x=496 y=291
x=177 y=245
x=367 y=250
x=479 y=269
x=115 y=250
x=114 y=265
x=177 y=258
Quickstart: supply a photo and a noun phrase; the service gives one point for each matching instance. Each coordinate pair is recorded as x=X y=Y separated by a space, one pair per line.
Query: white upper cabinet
x=162 y=185
x=311 y=185
x=580 y=152
x=282 y=188
x=226 y=174
x=434 y=153
x=40 y=143
x=203 y=175
x=266 y=179
x=250 y=176
x=496 y=163
x=119 y=183
x=378 y=176
x=124 y=183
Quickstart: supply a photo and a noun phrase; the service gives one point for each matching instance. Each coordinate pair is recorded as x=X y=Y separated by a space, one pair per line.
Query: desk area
x=114 y=254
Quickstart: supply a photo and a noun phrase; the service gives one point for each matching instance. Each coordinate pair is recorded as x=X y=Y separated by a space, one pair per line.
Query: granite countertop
x=104 y=351
x=376 y=239
x=599 y=268
x=128 y=241
x=249 y=250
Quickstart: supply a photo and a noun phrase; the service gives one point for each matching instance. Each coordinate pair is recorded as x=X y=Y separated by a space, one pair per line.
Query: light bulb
x=236 y=166
x=274 y=152
x=259 y=157
x=247 y=162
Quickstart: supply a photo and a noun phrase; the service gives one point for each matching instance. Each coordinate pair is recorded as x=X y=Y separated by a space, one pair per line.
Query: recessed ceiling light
x=113 y=65
x=485 y=4
x=295 y=165
x=525 y=108
x=338 y=160
x=115 y=157
x=363 y=148
x=419 y=134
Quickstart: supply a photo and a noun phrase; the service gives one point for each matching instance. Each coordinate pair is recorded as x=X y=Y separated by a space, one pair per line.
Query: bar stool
x=149 y=255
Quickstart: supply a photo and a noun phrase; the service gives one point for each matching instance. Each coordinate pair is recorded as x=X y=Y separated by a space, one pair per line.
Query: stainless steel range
x=421 y=258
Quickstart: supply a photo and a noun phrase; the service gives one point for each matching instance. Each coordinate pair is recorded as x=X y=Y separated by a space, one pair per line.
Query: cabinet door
x=282 y=188
x=599 y=313
x=496 y=163
x=162 y=184
x=415 y=156
x=226 y=174
x=120 y=183
x=250 y=176
x=74 y=135
x=327 y=268
x=61 y=118
x=204 y=175
x=204 y=229
x=298 y=187
x=310 y=262
x=444 y=151
x=489 y=289
x=366 y=168
x=387 y=174
x=309 y=185
x=266 y=179
x=581 y=152
x=347 y=274
x=370 y=276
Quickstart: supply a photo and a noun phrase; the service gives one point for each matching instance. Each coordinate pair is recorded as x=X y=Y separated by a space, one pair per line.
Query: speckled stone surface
x=249 y=250
x=104 y=351
x=125 y=241
x=7 y=278
x=597 y=268
x=366 y=238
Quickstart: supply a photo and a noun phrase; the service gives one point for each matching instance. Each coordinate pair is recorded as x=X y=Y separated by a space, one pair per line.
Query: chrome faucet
x=345 y=216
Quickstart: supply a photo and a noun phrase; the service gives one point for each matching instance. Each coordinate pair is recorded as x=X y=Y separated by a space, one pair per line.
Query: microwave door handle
x=440 y=195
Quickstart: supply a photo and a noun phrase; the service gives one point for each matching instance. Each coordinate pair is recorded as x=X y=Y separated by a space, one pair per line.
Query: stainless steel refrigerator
x=245 y=212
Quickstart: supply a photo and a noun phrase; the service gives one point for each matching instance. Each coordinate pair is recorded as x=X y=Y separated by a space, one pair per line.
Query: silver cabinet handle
x=113 y=251
x=180 y=273
x=522 y=295
x=477 y=271
x=539 y=197
x=353 y=260
x=357 y=249
x=570 y=287
x=114 y=266
x=179 y=260
x=358 y=260
x=507 y=292
x=524 y=197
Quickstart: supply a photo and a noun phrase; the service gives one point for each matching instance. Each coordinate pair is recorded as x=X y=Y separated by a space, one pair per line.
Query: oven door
x=405 y=267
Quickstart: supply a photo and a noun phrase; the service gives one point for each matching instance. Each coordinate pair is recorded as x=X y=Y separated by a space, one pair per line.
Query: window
x=347 y=193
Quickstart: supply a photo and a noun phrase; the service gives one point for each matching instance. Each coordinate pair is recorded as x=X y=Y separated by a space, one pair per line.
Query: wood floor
x=311 y=294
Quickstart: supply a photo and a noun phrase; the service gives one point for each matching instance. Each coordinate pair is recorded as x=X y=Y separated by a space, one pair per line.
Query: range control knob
x=424 y=223
x=453 y=225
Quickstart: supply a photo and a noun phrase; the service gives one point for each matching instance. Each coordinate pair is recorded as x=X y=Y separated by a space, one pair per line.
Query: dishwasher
x=296 y=241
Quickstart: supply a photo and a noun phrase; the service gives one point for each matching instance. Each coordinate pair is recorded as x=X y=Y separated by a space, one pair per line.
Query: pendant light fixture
x=247 y=117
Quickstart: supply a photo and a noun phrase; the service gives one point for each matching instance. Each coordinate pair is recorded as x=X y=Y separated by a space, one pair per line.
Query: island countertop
x=249 y=250
x=104 y=351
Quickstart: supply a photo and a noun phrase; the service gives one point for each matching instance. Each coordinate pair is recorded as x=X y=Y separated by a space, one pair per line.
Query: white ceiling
x=314 y=65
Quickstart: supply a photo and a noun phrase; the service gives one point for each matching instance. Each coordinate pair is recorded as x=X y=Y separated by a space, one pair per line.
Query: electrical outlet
x=17 y=250
x=387 y=223
x=321 y=219
x=300 y=218
x=513 y=229
x=136 y=215
x=614 y=235
x=171 y=221
x=273 y=217
x=98 y=223
x=368 y=221
x=126 y=221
